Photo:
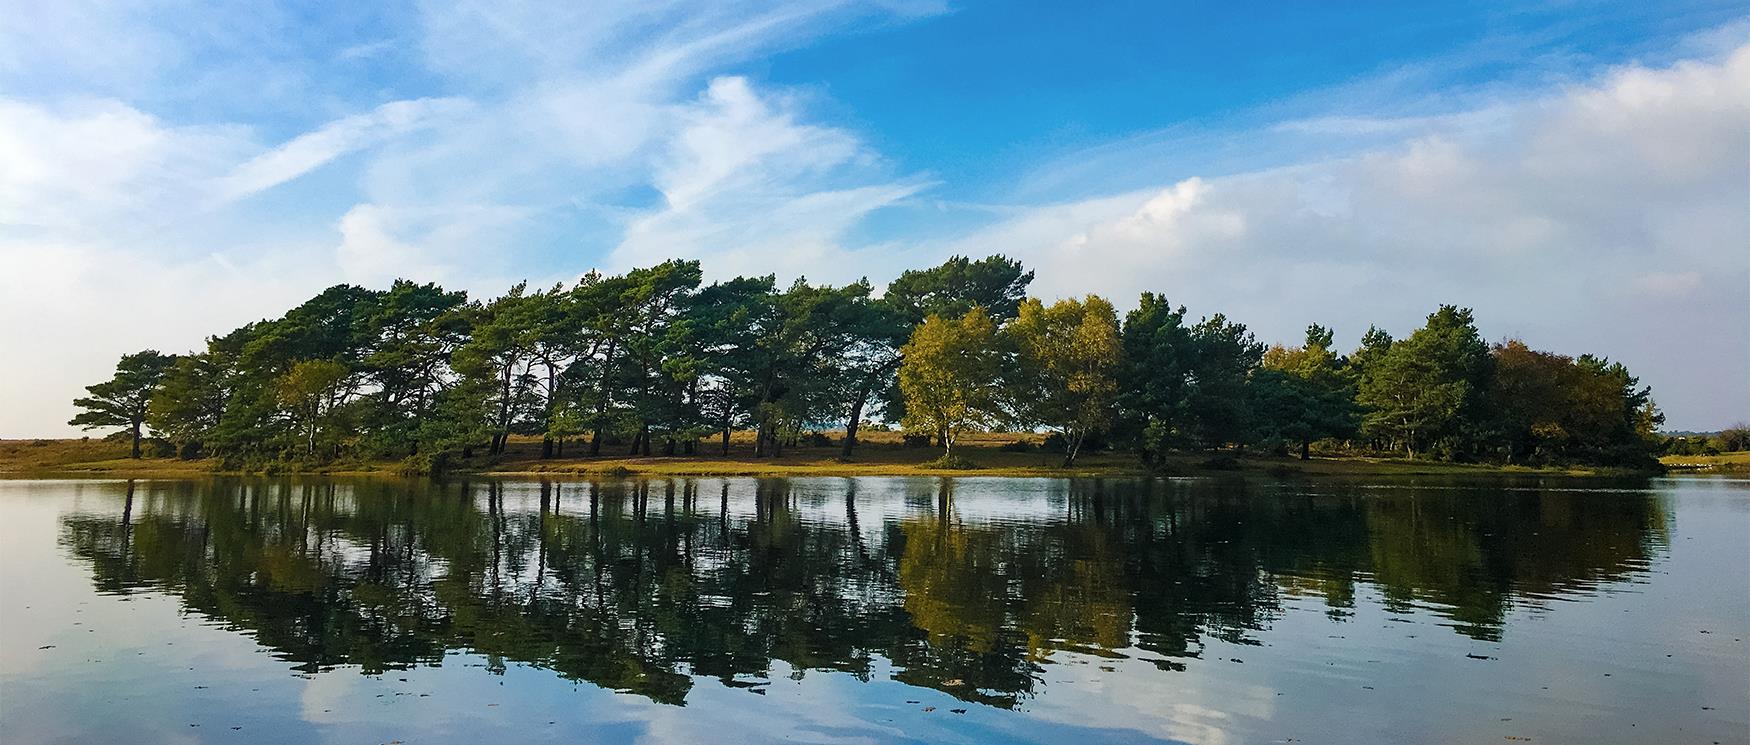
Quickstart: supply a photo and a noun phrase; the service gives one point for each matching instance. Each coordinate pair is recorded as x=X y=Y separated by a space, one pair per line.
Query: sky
x=1576 y=172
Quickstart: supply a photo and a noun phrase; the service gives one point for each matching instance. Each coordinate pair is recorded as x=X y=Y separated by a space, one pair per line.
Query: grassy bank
x=1723 y=463
x=880 y=454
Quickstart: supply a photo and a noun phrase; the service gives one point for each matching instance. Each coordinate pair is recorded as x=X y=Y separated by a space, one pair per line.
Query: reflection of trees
x=642 y=586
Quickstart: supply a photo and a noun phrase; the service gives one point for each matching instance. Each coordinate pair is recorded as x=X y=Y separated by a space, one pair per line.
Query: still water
x=875 y=610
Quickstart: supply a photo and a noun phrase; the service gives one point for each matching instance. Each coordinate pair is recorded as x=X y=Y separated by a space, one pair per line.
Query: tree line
x=655 y=361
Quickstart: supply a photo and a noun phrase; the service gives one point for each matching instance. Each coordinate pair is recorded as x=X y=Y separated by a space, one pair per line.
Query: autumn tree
x=312 y=393
x=1066 y=362
x=950 y=377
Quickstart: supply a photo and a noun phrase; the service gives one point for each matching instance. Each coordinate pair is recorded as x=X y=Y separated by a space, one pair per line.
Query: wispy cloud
x=313 y=149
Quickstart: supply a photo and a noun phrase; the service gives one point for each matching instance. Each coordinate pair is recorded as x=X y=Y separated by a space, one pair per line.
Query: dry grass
x=88 y=456
x=1722 y=463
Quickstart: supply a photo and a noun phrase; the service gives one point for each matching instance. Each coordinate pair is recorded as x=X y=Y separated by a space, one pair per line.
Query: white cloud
x=750 y=190
x=1596 y=219
x=381 y=244
x=313 y=149
x=68 y=165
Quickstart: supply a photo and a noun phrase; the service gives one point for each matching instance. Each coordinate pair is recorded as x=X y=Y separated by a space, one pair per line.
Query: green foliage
x=951 y=375
x=654 y=361
x=1066 y=363
x=1303 y=394
x=122 y=400
x=997 y=284
x=1427 y=390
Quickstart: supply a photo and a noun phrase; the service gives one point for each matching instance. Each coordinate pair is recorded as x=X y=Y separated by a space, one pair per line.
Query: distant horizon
x=1575 y=175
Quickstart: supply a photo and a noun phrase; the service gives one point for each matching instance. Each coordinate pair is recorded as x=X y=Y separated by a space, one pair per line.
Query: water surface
x=875 y=610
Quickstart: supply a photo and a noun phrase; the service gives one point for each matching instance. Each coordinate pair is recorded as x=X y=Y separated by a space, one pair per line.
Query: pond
x=875 y=610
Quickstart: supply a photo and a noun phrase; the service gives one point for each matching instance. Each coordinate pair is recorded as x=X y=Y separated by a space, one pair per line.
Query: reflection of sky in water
x=1254 y=613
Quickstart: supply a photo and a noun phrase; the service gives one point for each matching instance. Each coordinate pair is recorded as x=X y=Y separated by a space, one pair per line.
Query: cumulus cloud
x=1598 y=218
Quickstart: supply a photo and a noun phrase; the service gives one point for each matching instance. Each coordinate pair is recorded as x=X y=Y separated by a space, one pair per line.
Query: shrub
x=1018 y=446
x=953 y=462
x=1221 y=462
x=1055 y=443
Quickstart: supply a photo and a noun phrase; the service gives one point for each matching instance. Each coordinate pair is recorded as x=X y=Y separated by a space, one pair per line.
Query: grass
x=1722 y=463
x=878 y=454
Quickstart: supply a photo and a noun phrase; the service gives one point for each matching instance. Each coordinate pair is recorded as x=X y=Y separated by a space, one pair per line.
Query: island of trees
x=656 y=361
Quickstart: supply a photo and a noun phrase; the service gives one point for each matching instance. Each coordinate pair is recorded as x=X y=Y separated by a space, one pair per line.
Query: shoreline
x=73 y=459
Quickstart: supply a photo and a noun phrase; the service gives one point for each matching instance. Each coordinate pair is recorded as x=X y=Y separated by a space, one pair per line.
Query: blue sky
x=1575 y=171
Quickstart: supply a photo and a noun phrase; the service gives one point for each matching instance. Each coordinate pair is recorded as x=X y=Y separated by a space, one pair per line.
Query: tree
x=122 y=400
x=311 y=392
x=1067 y=359
x=1428 y=387
x=1302 y=394
x=501 y=350
x=652 y=373
x=411 y=334
x=875 y=331
x=950 y=377
x=995 y=283
x=1157 y=356
x=192 y=397
x=1216 y=407
x=1528 y=399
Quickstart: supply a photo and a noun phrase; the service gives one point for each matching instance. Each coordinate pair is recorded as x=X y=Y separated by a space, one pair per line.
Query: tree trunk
x=644 y=436
x=726 y=440
x=503 y=413
x=136 y=448
x=547 y=439
x=1074 y=448
x=1305 y=449
x=851 y=426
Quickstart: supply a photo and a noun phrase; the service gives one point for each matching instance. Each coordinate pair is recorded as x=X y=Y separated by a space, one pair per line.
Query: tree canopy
x=656 y=361
x=122 y=400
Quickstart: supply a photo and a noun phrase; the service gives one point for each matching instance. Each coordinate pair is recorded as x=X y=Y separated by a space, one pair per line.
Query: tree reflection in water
x=648 y=586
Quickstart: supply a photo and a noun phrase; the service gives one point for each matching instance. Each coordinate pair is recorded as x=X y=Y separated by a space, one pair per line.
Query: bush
x=951 y=462
x=1055 y=443
x=155 y=447
x=1018 y=446
x=1221 y=462
x=817 y=440
x=433 y=463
